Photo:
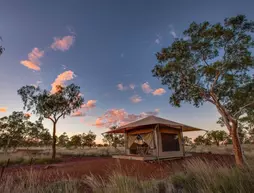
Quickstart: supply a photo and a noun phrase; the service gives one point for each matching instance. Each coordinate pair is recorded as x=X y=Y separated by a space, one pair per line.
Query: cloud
x=146 y=88
x=84 y=108
x=61 y=79
x=158 y=39
x=63 y=44
x=38 y=82
x=122 y=55
x=132 y=86
x=27 y=115
x=150 y=113
x=159 y=91
x=89 y=105
x=33 y=61
x=136 y=99
x=78 y=114
x=118 y=117
x=157 y=110
x=172 y=31
x=3 y=109
x=121 y=87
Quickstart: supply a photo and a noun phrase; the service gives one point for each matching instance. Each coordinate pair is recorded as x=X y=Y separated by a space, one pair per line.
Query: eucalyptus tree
x=212 y=63
x=52 y=106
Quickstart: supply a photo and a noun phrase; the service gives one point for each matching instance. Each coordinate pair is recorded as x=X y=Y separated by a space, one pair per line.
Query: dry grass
x=247 y=148
x=24 y=155
x=198 y=176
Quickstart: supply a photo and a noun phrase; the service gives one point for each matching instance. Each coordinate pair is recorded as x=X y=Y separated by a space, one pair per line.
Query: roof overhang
x=184 y=128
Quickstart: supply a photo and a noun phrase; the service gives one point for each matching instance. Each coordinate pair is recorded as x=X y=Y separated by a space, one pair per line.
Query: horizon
x=106 y=48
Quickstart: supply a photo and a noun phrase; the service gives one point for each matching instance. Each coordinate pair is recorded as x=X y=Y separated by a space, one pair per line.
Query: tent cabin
x=153 y=138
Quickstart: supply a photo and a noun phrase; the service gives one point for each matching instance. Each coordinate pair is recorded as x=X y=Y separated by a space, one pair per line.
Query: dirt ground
x=104 y=166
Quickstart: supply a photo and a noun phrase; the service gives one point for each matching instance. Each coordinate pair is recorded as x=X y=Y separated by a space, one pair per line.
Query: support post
x=125 y=142
x=156 y=141
x=182 y=141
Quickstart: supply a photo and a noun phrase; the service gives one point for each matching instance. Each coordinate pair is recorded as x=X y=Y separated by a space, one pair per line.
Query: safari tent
x=153 y=138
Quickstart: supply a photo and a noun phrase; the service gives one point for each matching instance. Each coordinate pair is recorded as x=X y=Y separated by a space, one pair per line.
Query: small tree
x=199 y=140
x=113 y=139
x=217 y=136
x=52 y=106
x=63 y=140
x=88 y=139
x=76 y=141
x=36 y=134
x=187 y=140
x=212 y=64
x=12 y=130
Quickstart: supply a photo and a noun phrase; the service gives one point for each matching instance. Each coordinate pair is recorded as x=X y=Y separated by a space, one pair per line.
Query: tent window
x=170 y=142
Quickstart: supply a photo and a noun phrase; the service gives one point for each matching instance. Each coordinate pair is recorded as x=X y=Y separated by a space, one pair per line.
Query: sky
x=108 y=49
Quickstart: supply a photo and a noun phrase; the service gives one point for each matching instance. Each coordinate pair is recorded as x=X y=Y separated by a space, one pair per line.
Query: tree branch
x=59 y=117
x=215 y=81
x=251 y=103
x=50 y=119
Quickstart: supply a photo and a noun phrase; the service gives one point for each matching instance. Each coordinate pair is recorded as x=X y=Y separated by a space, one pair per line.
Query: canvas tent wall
x=164 y=138
x=162 y=141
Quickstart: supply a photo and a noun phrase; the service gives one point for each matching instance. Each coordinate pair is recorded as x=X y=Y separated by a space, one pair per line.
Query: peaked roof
x=153 y=120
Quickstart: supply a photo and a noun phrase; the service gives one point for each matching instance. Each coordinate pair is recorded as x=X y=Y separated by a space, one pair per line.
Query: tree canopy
x=217 y=136
x=212 y=63
x=113 y=139
x=52 y=106
x=17 y=130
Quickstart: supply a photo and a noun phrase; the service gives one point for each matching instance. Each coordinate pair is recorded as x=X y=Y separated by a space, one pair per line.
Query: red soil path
x=104 y=166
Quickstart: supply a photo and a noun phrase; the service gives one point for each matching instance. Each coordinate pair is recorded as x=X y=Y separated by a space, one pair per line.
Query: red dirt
x=104 y=166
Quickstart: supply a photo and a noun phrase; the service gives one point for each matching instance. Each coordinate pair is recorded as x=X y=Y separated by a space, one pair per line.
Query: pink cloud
x=159 y=91
x=84 y=108
x=63 y=44
x=78 y=114
x=150 y=113
x=61 y=79
x=3 y=109
x=33 y=61
x=89 y=105
x=136 y=99
x=132 y=86
x=121 y=87
x=146 y=87
x=118 y=117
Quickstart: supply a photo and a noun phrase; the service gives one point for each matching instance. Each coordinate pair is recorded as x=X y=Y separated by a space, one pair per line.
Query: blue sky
x=103 y=43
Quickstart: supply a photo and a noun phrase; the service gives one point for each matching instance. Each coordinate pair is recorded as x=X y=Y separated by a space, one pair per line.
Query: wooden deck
x=146 y=158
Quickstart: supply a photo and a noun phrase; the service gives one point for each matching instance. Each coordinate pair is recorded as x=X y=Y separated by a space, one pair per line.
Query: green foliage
x=187 y=140
x=88 y=139
x=113 y=139
x=212 y=64
x=63 y=140
x=17 y=130
x=75 y=140
x=52 y=106
x=217 y=136
x=212 y=137
x=79 y=140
